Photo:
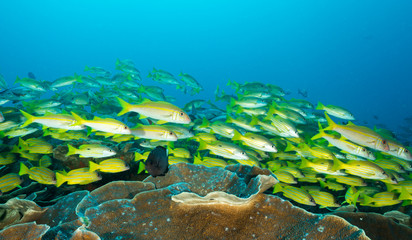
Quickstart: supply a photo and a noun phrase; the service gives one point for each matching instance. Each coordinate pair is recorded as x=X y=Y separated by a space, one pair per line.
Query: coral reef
x=190 y=202
x=388 y=228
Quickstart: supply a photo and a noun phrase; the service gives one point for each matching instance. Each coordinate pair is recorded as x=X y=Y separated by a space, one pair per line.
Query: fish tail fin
x=320 y=106
x=79 y=120
x=232 y=102
x=125 y=106
x=277 y=188
x=202 y=145
x=205 y=123
x=22 y=144
x=237 y=135
x=72 y=150
x=93 y=166
x=254 y=121
x=60 y=179
x=272 y=110
x=29 y=118
x=321 y=134
x=331 y=123
x=366 y=199
x=229 y=119
x=305 y=163
x=197 y=159
x=23 y=169
x=389 y=187
x=138 y=156
x=289 y=147
x=405 y=195
x=337 y=164
x=141 y=168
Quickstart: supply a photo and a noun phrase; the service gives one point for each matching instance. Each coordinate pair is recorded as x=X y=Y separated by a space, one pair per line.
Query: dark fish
x=31 y=75
x=157 y=163
x=303 y=92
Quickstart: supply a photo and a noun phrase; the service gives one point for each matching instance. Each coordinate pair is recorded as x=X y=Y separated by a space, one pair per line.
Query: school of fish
x=318 y=160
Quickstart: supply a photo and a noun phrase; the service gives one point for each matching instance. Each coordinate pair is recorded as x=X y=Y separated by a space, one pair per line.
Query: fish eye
x=181 y=113
x=406 y=151
x=363 y=150
x=88 y=148
x=125 y=127
x=170 y=133
x=384 y=141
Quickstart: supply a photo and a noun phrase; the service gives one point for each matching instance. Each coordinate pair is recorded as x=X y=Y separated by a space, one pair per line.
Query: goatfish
x=344 y=145
x=103 y=124
x=61 y=121
x=112 y=165
x=296 y=194
x=248 y=102
x=242 y=123
x=41 y=175
x=218 y=127
x=223 y=149
x=283 y=129
x=91 y=150
x=359 y=134
x=32 y=84
x=80 y=176
x=163 y=111
x=155 y=132
x=9 y=182
x=398 y=150
x=336 y=111
x=256 y=141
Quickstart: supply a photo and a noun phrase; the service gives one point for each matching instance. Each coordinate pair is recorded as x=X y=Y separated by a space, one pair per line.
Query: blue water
x=355 y=54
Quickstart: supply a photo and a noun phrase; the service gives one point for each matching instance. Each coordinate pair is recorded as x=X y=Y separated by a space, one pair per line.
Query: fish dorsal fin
x=350 y=123
x=161 y=122
x=145 y=100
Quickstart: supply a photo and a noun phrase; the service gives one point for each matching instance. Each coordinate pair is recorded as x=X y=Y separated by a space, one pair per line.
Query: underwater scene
x=205 y=120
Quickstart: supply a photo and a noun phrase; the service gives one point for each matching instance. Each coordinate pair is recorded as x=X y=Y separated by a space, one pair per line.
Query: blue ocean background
x=354 y=54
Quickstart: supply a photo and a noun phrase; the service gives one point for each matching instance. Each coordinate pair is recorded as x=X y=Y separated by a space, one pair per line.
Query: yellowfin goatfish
x=336 y=111
x=224 y=149
x=344 y=145
x=242 y=123
x=359 y=134
x=33 y=84
x=398 y=150
x=91 y=150
x=103 y=124
x=112 y=165
x=39 y=174
x=80 y=176
x=248 y=102
x=256 y=141
x=9 y=182
x=62 y=121
x=155 y=132
x=163 y=111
